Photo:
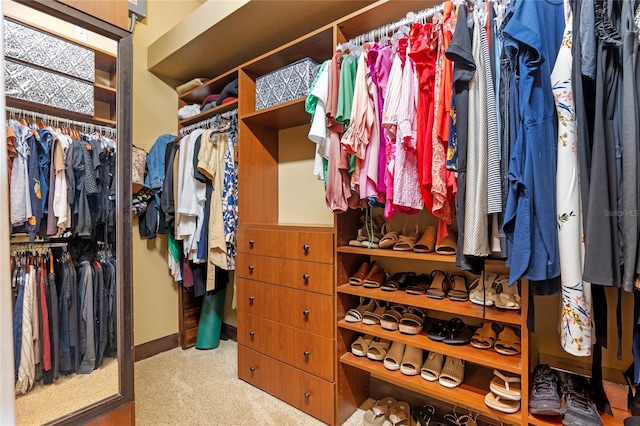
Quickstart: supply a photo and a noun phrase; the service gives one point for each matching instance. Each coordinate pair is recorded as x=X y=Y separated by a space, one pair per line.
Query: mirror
x=98 y=381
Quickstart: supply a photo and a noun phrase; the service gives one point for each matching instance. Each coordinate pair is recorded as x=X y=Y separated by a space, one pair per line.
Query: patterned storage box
x=285 y=84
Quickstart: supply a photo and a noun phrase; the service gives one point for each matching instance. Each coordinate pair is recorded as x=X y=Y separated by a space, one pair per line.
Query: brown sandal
x=356 y=279
x=485 y=337
x=426 y=243
x=375 y=278
x=508 y=342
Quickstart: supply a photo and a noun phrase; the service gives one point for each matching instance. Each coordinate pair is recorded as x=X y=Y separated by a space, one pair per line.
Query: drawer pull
x=251 y=243
x=307 y=395
x=251 y=267
x=306 y=354
x=305 y=247
x=252 y=333
x=252 y=369
x=305 y=277
x=251 y=299
x=305 y=312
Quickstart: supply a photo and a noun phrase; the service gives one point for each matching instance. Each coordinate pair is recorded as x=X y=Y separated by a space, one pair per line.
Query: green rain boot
x=210 y=324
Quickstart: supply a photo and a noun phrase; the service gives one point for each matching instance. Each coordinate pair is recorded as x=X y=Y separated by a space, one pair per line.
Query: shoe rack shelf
x=470 y=393
x=487 y=357
x=408 y=255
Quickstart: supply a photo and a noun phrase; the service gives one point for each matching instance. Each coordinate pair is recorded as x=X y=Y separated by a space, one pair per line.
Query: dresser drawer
x=309 y=352
x=310 y=312
x=305 y=245
x=310 y=276
x=304 y=391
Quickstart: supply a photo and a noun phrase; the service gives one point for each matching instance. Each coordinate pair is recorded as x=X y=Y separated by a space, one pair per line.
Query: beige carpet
x=48 y=402
x=201 y=387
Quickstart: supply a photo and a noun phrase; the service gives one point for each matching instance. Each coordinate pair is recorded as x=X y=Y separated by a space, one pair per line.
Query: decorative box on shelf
x=285 y=84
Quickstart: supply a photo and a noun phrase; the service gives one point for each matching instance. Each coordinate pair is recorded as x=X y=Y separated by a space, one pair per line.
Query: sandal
x=406 y=241
x=458 y=333
x=426 y=243
x=378 y=349
x=448 y=245
x=506 y=387
x=420 y=286
x=437 y=289
x=357 y=314
x=412 y=320
x=485 y=337
x=438 y=331
x=507 y=296
x=361 y=345
x=452 y=373
x=481 y=291
x=373 y=317
x=422 y=416
x=389 y=237
x=400 y=414
x=356 y=279
x=399 y=280
x=375 y=278
x=389 y=320
x=432 y=367
x=393 y=360
x=458 y=290
x=508 y=342
x=377 y=415
x=411 y=361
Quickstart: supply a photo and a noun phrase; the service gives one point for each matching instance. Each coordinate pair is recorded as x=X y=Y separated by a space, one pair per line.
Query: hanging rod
x=35 y=245
x=57 y=121
x=206 y=124
x=385 y=30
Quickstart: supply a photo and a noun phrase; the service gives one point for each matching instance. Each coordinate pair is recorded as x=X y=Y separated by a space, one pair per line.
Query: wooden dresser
x=286 y=315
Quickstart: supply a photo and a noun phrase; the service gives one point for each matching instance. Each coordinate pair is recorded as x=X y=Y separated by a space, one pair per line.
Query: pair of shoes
x=448 y=372
x=357 y=314
x=374 y=348
x=453 y=286
x=452 y=332
x=388 y=411
x=481 y=291
x=544 y=398
x=505 y=393
x=503 y=339
x=406 y=358
x=485 y=337
x=369 y=275
x=422 y=416
x=399 y=280
x=370 y=233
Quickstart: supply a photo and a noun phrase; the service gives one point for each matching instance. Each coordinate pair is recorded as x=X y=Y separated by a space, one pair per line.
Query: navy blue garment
x=530 y=216
x=34 y=188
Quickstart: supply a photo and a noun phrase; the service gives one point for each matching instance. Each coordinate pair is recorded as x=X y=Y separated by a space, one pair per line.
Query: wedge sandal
x=432 y=367
x=412 y=320
x=426 y=243
x=356 y=279
x=411 y=361
x=452 y=373
x=393 y=360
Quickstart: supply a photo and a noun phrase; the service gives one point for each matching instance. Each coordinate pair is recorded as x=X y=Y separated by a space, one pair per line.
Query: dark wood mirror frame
x=124 y=277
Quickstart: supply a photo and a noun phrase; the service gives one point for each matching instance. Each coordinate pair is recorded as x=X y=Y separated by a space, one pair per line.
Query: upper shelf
x=195 y=47
x=210 y=113
x=289 y=114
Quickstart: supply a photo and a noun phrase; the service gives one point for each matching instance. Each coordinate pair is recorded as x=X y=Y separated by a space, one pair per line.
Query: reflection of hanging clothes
x=87 y=318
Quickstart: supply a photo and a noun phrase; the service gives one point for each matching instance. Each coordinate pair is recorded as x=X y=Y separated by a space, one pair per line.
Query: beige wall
x=154 y=113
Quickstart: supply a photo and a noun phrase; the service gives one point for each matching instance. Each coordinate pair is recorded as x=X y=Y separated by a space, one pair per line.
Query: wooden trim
x=155 y=347
x=122 y=416
x=231 y=331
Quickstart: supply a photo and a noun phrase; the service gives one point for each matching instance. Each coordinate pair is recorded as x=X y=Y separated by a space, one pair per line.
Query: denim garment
x=34 y=188
x=155 y=163
x=45 y=148
x=17 y=321
x=530 y=217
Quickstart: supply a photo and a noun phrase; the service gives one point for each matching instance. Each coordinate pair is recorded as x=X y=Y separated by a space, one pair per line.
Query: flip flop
x=452 y=373
x=485 y=337
x=426 y=243
x=361 y=345
x=411 y=361
x=506 y=387
x=389 y=237
x=508 y=342
x=432 y=367
x=393 y=360
x=498 y=403
x=437 y=289
x=458 y=291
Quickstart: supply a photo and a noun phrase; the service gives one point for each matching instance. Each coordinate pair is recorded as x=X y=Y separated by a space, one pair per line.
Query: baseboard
x=231 y=331
x=154 y=347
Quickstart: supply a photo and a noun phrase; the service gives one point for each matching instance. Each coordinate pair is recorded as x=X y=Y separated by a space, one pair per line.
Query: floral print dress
x=576 y=323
